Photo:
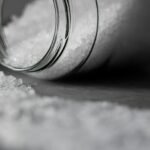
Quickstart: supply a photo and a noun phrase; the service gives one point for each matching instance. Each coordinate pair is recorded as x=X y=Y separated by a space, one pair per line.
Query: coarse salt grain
x=12 y=87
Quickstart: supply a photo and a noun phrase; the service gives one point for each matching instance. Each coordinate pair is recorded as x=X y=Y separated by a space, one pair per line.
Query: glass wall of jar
x=50 y=39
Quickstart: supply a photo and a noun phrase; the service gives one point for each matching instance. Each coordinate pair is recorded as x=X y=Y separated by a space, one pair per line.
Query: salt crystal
x=28 y=36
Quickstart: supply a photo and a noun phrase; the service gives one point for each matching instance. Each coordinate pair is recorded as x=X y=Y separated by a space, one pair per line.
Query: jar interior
x=27 y=31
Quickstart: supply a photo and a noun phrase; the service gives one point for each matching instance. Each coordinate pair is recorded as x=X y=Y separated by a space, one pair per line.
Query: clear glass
x=67 y=36
x=49 y=46
x=26 y=33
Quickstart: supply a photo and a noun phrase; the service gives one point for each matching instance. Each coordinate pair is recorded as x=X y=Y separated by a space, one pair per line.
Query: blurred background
x=13 y=7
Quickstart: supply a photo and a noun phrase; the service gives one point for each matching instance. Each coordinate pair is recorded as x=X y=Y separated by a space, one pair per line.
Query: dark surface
x=130 y=89
x=14 y=7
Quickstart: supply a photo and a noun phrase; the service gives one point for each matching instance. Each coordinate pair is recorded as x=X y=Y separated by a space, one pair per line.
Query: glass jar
x=81 y=35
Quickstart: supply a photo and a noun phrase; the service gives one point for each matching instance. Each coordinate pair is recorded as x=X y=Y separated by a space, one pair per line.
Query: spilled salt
x=56 y=123
x=28 y=37
x=34 y=33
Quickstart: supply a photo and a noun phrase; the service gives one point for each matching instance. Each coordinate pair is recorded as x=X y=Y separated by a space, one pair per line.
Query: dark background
x=13 y=7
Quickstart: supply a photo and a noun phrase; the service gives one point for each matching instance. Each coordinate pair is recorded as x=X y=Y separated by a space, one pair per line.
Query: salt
x=60 y=124
x=32 y=35
x=30 y=121
x=29 y=46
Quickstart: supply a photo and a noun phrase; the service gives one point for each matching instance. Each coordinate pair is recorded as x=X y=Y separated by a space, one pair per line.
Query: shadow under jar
x=50 y=39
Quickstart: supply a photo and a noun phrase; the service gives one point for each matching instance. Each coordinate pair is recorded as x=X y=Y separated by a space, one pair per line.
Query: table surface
x=130 y=89
x=97 y=123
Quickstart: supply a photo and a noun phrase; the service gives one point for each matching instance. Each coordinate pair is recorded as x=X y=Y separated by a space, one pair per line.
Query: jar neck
x=61 y=23
x=72 y=18
x=75 y=32
x=60 y=37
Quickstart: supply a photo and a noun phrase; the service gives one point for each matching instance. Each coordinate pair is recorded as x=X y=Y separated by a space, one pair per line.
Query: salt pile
x=59 y=124
x=33 y=34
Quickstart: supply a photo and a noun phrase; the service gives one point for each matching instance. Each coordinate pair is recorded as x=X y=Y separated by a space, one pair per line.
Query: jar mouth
x=56 y=34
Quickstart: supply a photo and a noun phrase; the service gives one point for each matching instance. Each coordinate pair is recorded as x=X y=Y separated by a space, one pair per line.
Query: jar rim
x=56 y=47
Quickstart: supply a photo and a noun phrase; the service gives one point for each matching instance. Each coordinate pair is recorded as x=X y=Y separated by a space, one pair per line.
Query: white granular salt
x=59 y=124
x=10 y=87
x=32 y=32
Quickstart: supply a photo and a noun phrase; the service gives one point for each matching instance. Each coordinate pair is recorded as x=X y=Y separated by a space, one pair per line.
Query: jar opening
x=28 y=32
